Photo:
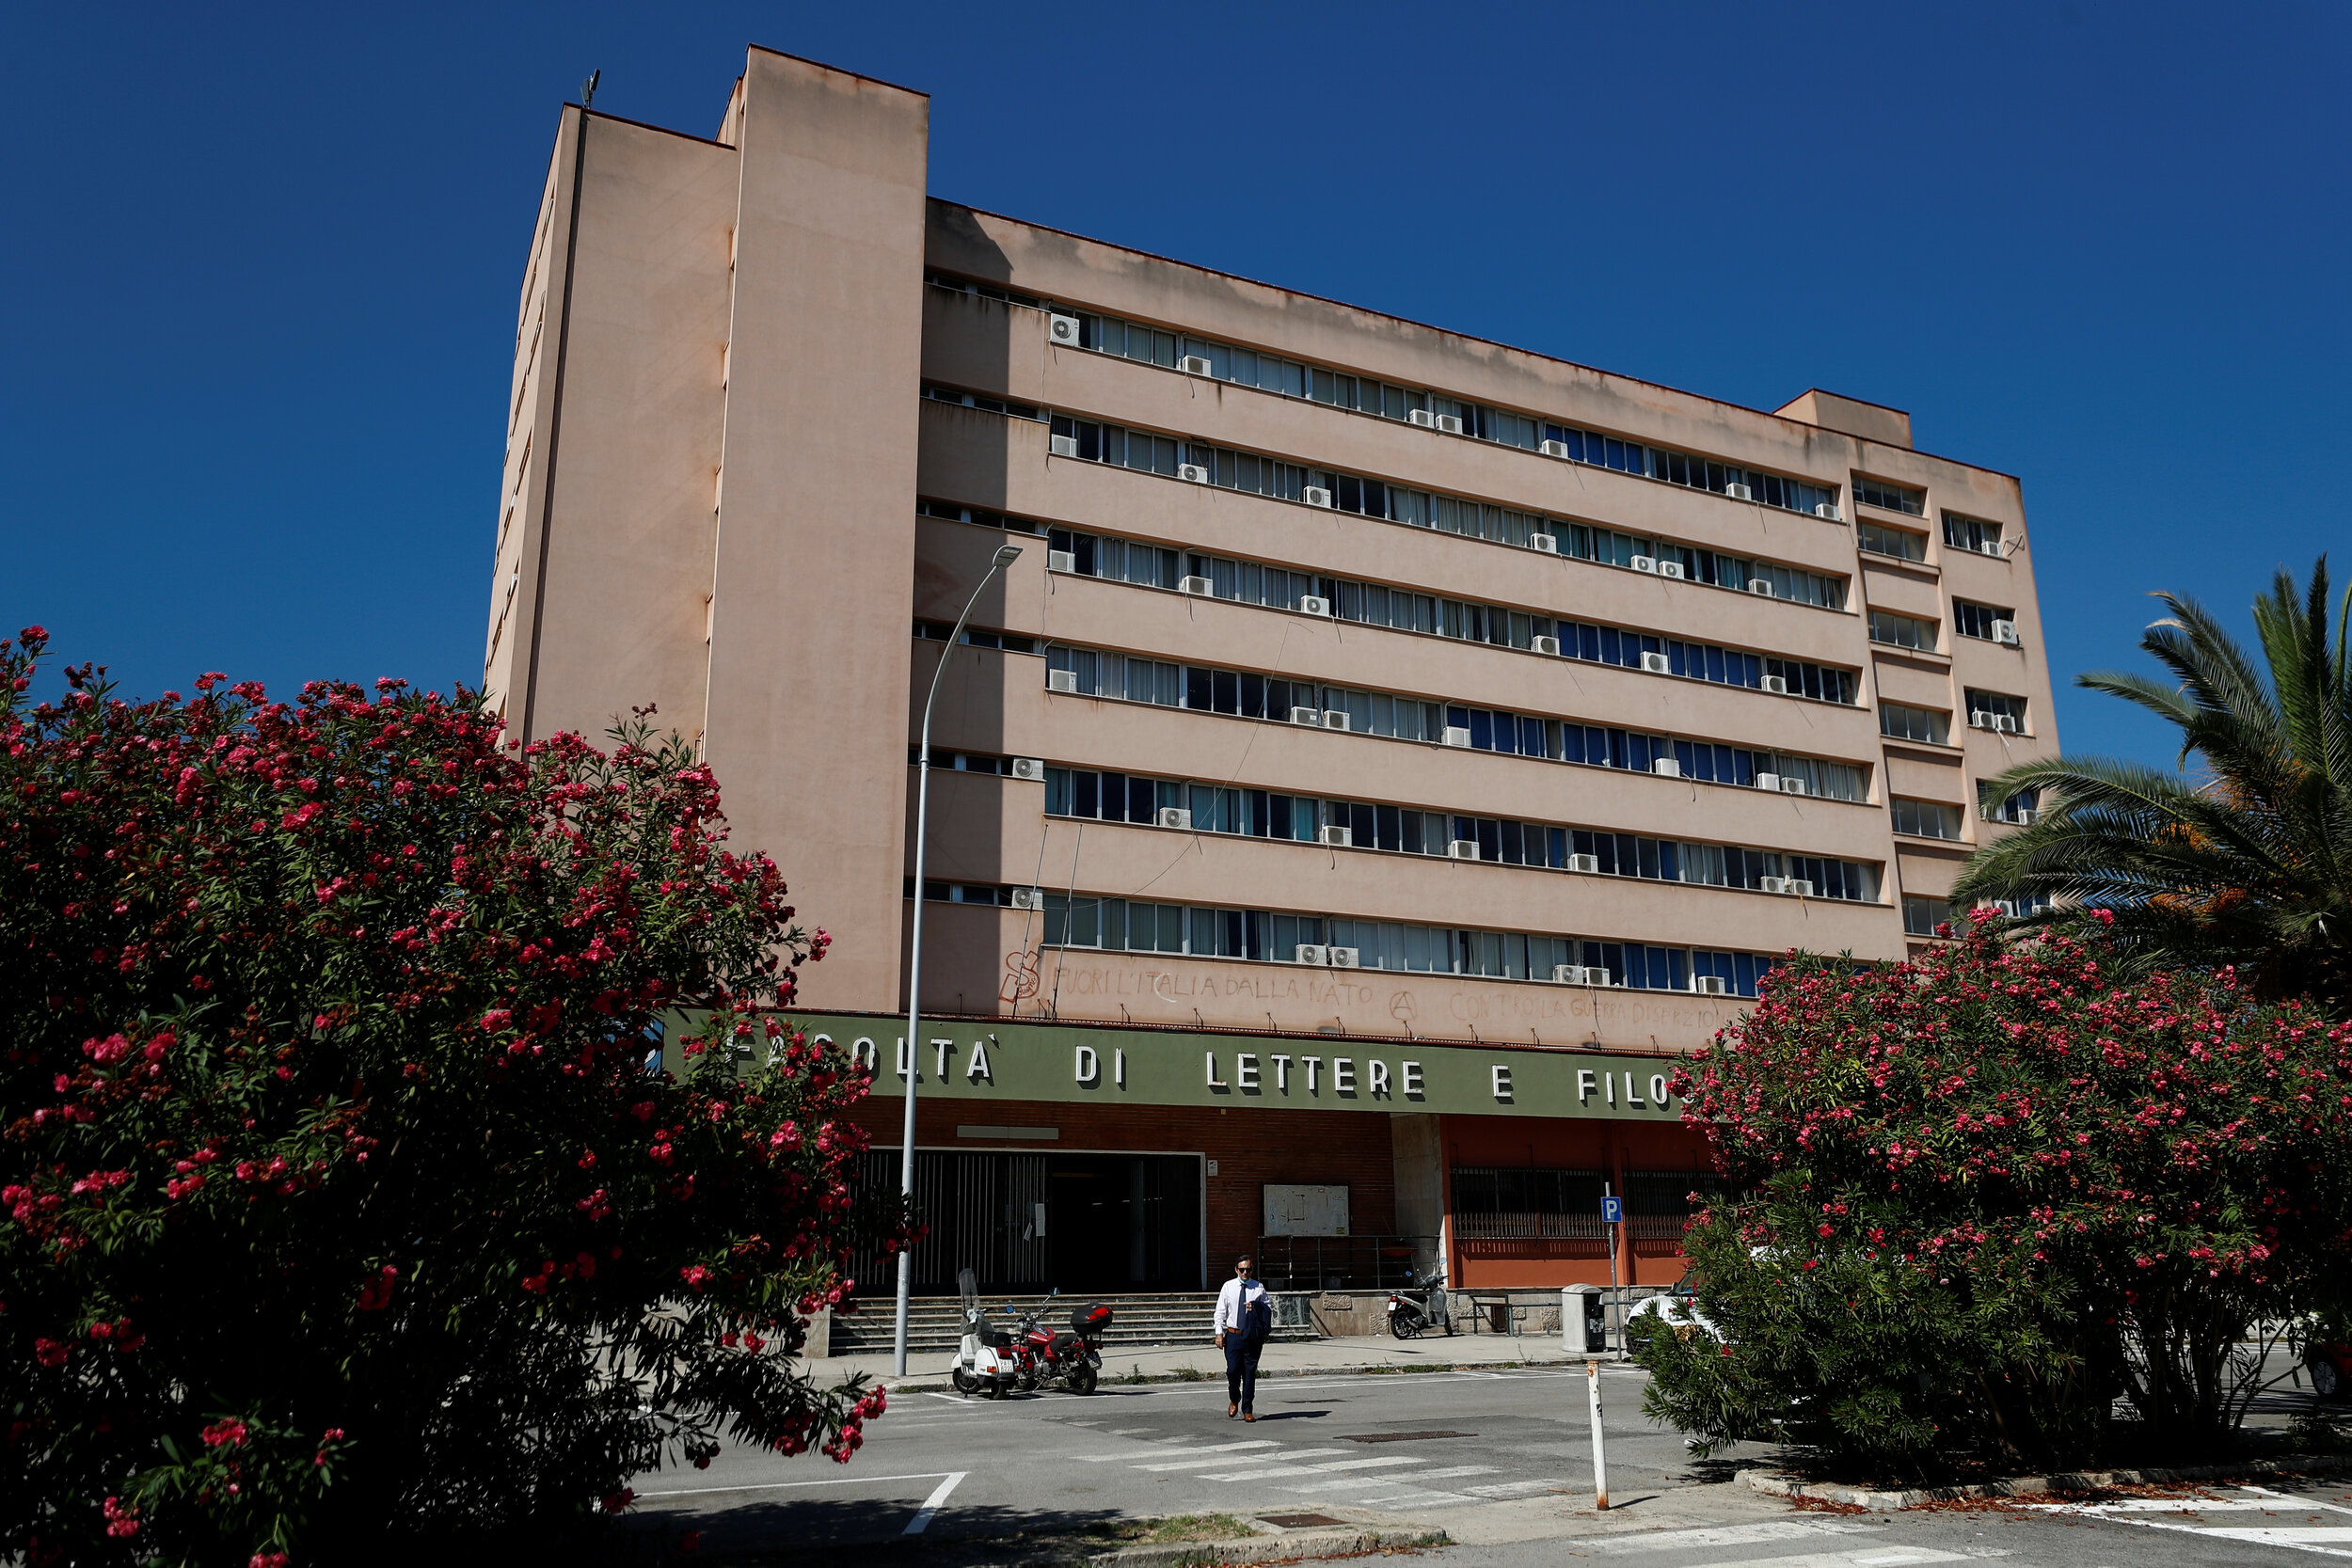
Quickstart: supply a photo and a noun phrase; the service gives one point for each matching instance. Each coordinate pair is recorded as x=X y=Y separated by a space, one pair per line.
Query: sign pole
x=1600 y=1465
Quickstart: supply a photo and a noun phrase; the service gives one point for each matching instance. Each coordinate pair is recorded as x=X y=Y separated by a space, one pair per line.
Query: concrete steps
x=934 y=1323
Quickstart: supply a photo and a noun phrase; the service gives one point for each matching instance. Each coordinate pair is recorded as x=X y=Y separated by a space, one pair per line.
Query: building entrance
x=1090 y=1224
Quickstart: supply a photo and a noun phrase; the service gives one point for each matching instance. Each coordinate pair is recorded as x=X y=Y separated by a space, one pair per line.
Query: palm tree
x=2252 y=867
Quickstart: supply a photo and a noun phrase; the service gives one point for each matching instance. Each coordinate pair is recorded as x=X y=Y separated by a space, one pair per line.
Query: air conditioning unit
x=1343 y=958
x=1177 y=818
x=1449 y=423
x=1738 y=492
x=1065 y=446
x=1828 y=510
x=2005 y=632
x=1760 y=586
x=1657 y=664
x=1710 y=985
x=1799 y=887
x=1200 y=586
x=1335 y=719
x=1777 y=685
x=1306 y=716
x=1062 y=330
x=1456 y=736
x=2023 y=817
x=2004 y=723
x=1666 y=767
x=1061 y=680
x=1315 y=495
x=1462 y=849
x=1793 y=786
x=1192 y=364
x=1192 y=473
x=1310 y=604
x=1771 y=884
x=1545 y=645
x=1588 y=863
x=1555 y=449
x=1028 y=898
x=1567 y=974
x=1670 y=569
x=1645 y=564
x=1422 y=418
x=1031 y=768
x=1596 y=975
x=1336 y=837
x=1307 y=952
x=1767 y=781
x=1061 y=560
x=1543 y=544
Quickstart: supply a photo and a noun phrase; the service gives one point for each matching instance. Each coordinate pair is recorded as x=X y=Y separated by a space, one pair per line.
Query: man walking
x=1245 y=1316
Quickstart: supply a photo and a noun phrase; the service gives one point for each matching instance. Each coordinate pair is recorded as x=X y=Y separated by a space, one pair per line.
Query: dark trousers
x=1241 y=1370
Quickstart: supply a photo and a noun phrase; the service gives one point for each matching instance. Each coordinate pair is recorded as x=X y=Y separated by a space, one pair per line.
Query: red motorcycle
x=1071 y=1357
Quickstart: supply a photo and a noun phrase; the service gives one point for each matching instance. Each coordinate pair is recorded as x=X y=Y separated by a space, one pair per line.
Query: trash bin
x=1584 y=1321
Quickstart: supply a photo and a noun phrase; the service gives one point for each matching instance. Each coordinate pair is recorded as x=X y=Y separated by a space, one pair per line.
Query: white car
x=1674 y=1310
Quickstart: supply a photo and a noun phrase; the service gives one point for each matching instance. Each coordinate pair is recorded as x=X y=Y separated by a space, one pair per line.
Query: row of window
x=1972 y=534
x=1932 y=917
x=1132 y=926
x=1523 y=1201
x=1356 y=824
x=1987 y=710
x=1222 y=466
x=1968 y=620
x=1091 y=673
x=1292 y=379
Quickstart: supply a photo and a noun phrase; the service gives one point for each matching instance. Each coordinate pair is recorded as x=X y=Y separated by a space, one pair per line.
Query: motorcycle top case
x=1091 y=1318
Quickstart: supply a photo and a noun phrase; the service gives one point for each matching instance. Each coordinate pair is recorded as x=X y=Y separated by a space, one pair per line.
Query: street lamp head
x=1007 y=554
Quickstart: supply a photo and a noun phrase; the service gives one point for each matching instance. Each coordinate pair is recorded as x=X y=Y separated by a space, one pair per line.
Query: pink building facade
x=1364 y=693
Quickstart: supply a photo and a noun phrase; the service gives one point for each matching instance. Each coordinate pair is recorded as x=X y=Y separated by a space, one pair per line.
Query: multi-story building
x=1388 y=754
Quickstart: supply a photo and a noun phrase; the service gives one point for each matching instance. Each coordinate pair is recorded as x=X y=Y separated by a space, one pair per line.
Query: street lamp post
x=1005 y=557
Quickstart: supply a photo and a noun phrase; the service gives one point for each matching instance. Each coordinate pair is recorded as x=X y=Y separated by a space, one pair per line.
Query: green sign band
x=964 y=1062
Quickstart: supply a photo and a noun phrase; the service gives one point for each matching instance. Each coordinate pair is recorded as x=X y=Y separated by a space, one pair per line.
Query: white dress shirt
x=1238 y=1294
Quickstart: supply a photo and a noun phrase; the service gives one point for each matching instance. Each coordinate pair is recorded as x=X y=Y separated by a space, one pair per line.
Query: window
x=2021 y=909
x=978 y=515
x=1658 y=1202
x=1927 y=818
x=980 y=401
x=1921 y=916
x=976 y=637
x=1969 y=533
x=1889 y=498
x=1520 y=1201
x=1991 y=710
x=2020 y=807
x=988 y=291
x=1897 y=543
x=1902 y=631
x=1978 y=619
x=1915 y=723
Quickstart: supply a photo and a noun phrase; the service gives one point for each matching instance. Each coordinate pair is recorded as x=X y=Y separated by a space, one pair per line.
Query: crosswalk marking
x=1209 y=1464
x=1513 y=1488
x=1728 y=1535
x=1206 y=1448
x=1285 y=1472
x=1860 y=1557
x=2324 y=1540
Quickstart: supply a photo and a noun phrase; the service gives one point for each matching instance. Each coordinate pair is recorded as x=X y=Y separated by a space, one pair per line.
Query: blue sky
x=261 y=262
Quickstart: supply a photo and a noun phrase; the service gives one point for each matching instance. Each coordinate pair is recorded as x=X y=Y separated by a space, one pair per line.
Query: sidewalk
x=1280 y=1360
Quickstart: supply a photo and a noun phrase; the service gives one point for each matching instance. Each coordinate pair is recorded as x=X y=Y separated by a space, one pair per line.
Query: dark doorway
x=1094 y=1224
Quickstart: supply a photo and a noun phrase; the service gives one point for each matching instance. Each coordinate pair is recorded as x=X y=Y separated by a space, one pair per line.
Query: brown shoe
x=1232 y=1411
x=1247 y=1417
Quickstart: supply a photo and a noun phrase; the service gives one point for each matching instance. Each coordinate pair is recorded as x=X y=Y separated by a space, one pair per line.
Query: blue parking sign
x=1612 y=1210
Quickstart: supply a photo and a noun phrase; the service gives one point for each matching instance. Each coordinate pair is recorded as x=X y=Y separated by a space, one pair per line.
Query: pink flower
x=616 y=1502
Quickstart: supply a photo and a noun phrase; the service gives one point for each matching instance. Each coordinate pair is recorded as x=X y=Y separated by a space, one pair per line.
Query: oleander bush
x=342 y=1212
x=1982 y=1194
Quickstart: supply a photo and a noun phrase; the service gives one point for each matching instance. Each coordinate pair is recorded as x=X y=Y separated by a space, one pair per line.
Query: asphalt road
x=1398 y=1444
x=1501 y=1460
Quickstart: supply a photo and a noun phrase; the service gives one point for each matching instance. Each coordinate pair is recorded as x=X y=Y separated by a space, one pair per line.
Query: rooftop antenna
x=588 y=88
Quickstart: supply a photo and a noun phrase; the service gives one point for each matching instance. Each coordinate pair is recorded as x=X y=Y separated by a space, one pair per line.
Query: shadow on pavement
x=784 y=1530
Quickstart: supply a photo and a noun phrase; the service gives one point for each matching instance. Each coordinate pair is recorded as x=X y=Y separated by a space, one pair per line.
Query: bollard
x=1600 y=1465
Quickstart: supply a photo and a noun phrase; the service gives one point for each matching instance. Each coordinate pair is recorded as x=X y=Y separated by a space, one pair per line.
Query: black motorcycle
x=1418 y=1307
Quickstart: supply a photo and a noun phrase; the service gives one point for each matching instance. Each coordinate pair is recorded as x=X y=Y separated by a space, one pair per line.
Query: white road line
x=1455 y=1472
x=930 y=1504
x=1514 y=1488
x=783 y=1485
x=1128 y=1432
x=1132 y=1455
x=1291 y=1472
x=1863 y=1557
x=1419 y=1500
x=1224 y=1459
x=952 y=1398
x=1728 y=1535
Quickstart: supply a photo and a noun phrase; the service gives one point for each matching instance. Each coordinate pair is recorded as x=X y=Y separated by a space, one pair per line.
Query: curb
x=937 y=1382
x=2031 y=1486
x=1263 y=1548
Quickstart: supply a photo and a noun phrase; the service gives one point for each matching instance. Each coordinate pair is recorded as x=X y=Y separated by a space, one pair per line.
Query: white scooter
x=984 y=1363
